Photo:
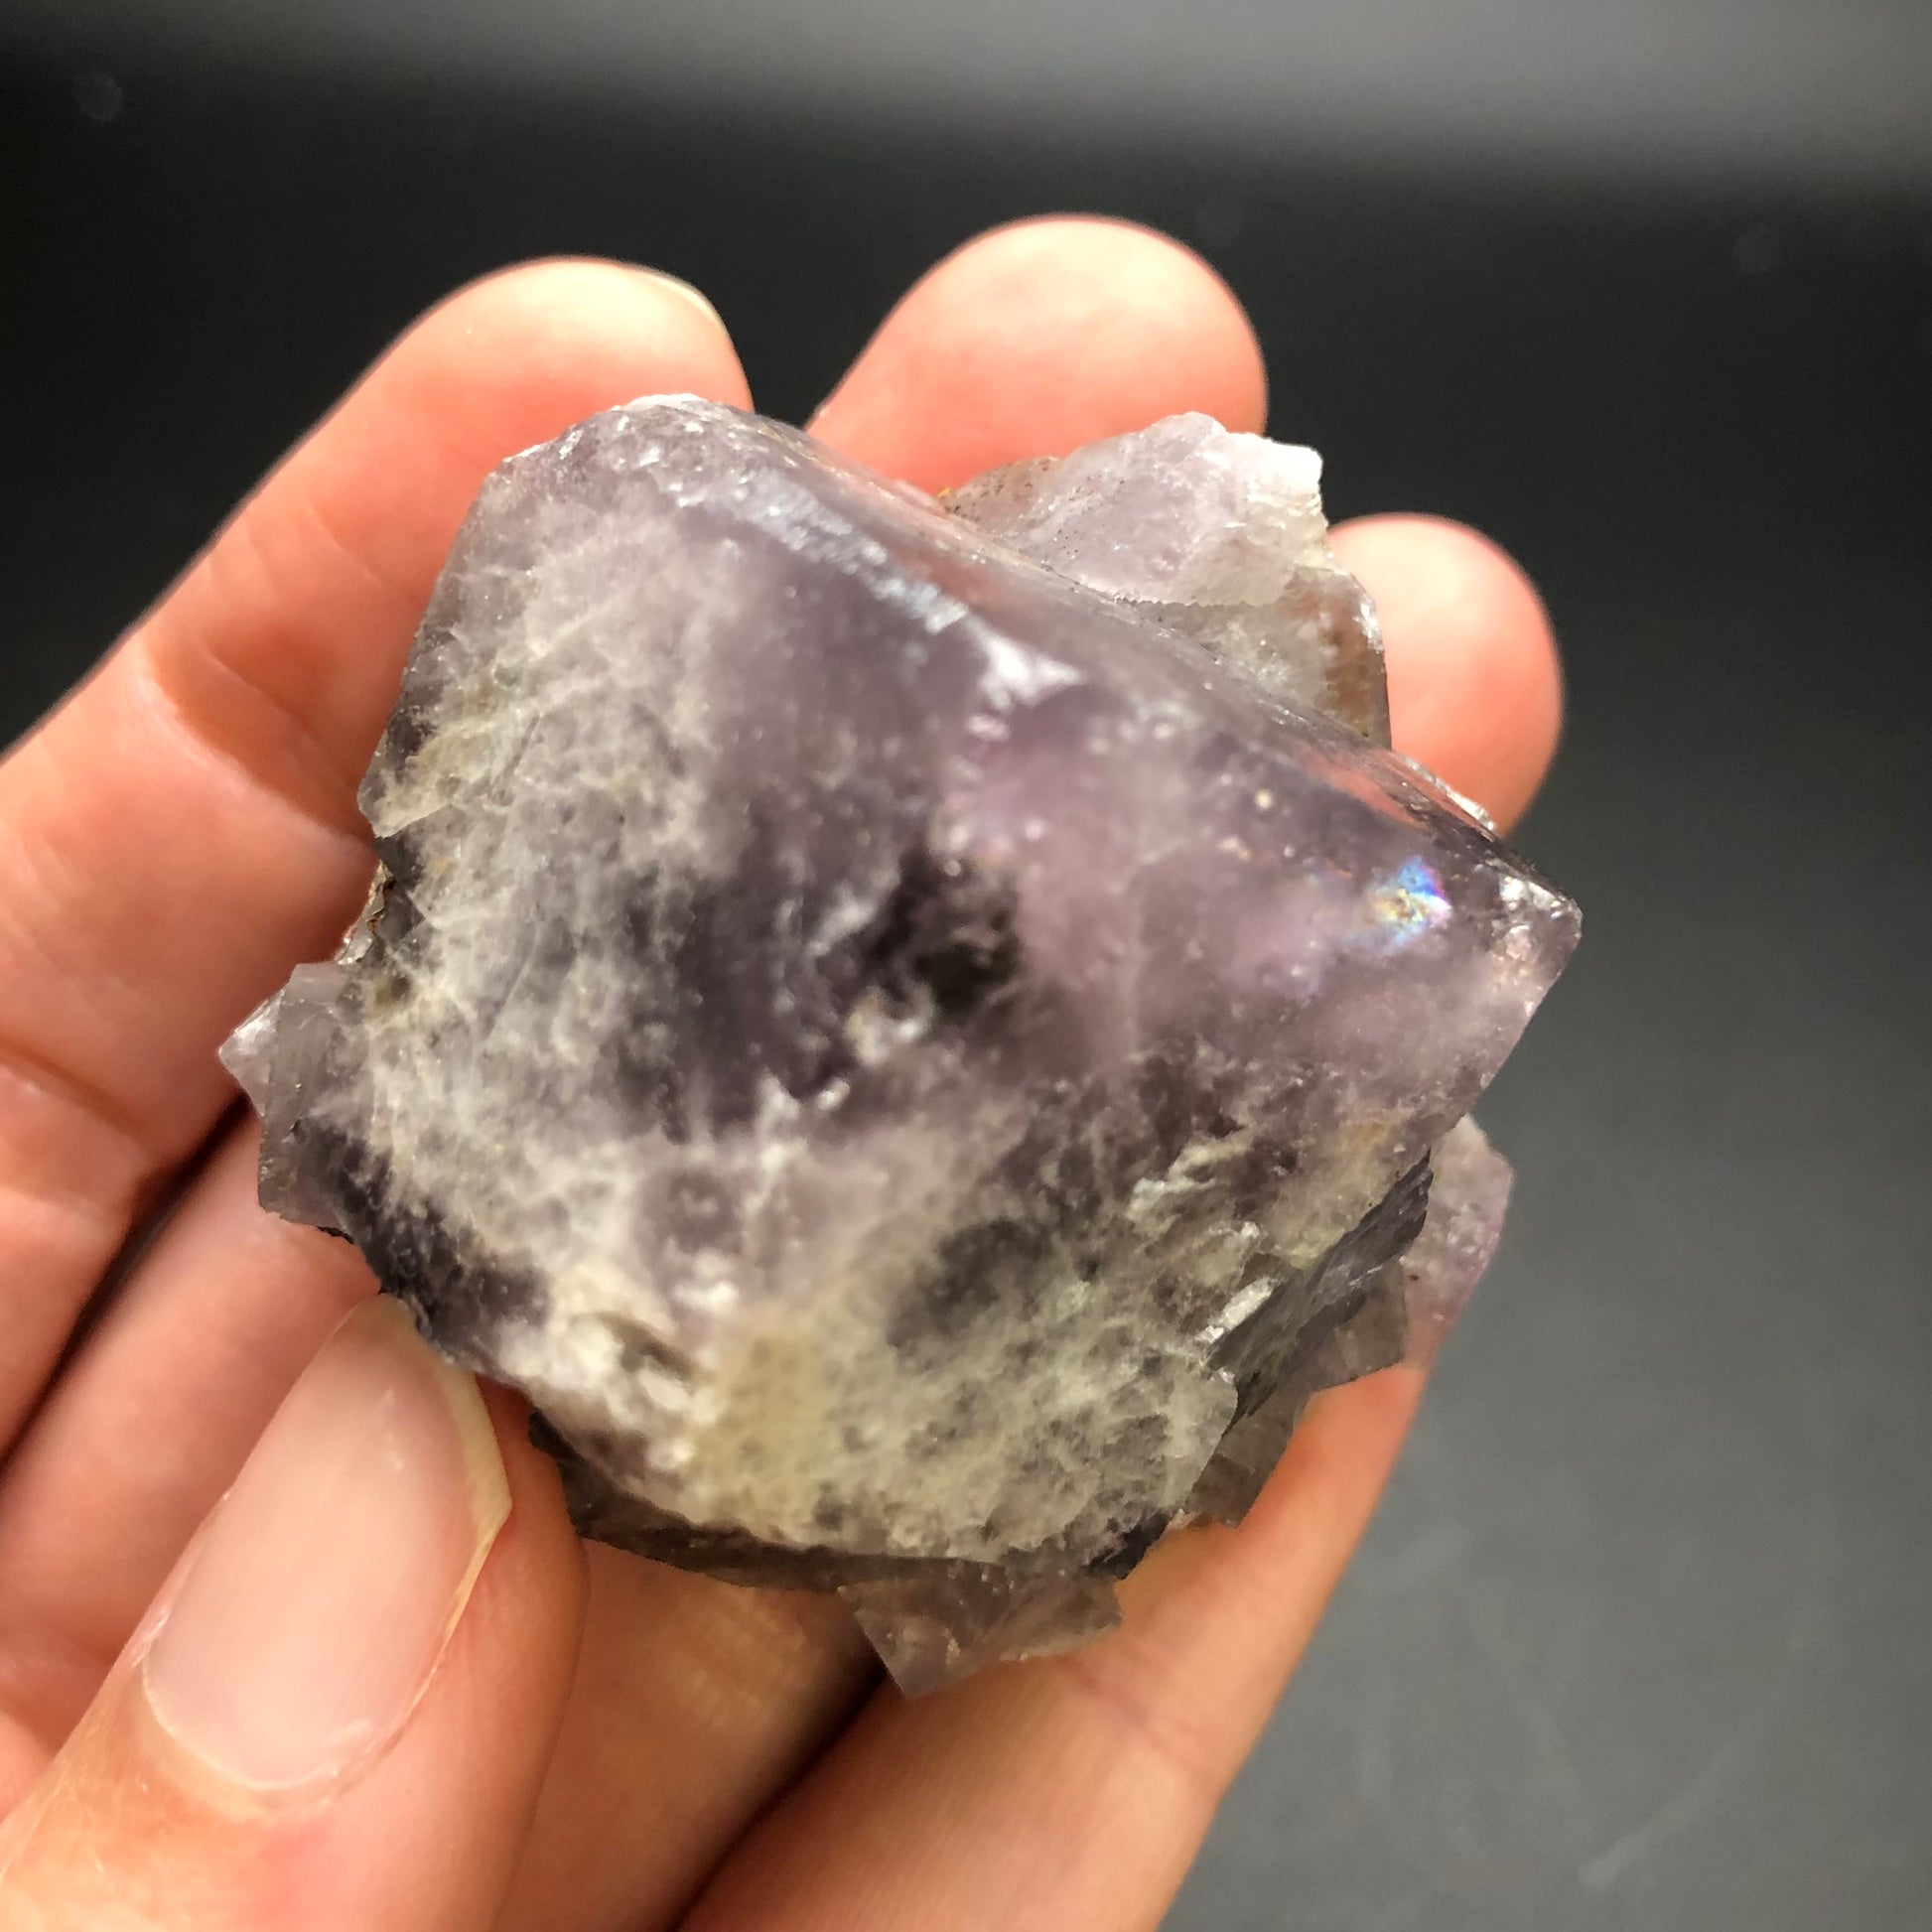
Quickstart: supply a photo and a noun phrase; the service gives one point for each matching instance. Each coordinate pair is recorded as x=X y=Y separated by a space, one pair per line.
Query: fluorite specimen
x=916 y=1045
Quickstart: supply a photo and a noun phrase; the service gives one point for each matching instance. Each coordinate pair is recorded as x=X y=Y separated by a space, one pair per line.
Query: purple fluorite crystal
x=916 y=1067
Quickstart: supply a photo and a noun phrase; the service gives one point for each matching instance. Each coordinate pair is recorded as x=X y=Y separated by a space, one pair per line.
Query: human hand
x=385 y=1687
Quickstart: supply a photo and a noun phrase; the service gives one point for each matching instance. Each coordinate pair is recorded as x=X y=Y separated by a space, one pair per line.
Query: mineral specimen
x=916 y=1045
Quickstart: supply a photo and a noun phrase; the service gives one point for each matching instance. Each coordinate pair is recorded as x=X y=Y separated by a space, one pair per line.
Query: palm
x=186 y=829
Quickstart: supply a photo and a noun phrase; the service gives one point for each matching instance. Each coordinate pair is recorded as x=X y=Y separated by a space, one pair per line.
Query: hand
x=384 y=1687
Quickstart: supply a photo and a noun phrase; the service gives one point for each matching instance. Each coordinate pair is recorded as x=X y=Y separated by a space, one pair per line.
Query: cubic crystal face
x=918 y=1069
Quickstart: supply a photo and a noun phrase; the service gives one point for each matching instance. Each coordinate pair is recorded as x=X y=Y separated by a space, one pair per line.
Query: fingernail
x=329 y=1579
x=695 y=297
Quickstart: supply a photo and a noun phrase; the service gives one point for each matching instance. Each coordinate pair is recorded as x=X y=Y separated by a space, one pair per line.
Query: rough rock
x=919 y=1061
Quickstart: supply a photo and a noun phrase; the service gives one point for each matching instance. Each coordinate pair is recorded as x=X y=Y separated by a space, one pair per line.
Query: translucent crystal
x=1215 y=534
x=917 y=1065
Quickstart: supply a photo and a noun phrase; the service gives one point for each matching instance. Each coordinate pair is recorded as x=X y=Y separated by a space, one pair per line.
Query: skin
x=605 y=1745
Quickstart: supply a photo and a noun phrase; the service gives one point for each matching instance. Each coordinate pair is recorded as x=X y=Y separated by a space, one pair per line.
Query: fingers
x=1075 y=1790
x=184 y=830
x=1037 y=337
x=694 y=1701
x=136 y=1443
x=1474 y=689
x=340 y=1713
x=695 y=1704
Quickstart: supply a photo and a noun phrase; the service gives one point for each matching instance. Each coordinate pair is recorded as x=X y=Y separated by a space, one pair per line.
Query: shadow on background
x=1638 y=1640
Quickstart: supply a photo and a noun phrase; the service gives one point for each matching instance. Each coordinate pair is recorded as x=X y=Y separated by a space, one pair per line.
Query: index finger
x=185 y=828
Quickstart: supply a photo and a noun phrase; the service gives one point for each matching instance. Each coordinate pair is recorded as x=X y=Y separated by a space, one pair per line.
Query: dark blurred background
x=1643 y=1635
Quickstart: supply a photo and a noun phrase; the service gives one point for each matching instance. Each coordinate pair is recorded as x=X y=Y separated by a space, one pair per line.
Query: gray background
x=1639 y=1639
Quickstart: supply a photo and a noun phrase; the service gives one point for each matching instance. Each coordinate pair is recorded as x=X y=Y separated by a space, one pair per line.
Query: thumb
x=338 y=1712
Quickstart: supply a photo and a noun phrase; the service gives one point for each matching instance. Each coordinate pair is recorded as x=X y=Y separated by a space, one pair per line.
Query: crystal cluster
x=919 y=1036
